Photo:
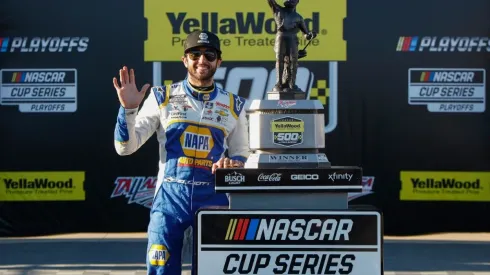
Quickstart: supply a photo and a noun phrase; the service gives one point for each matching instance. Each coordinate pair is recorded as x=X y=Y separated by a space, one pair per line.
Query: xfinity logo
x=344 y=176
x=305 y=177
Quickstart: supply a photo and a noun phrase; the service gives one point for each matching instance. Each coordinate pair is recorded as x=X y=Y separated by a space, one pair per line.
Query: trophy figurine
x=288 y=23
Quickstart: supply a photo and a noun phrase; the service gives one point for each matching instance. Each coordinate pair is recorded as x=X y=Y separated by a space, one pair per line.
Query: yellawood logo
x=445 y=186
x=246 y=31
x=42 y=186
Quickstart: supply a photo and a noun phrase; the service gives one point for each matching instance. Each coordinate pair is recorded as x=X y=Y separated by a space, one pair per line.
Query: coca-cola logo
x=270 y=177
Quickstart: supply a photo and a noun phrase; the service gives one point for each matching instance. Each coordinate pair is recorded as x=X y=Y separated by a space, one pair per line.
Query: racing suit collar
x=200 y=95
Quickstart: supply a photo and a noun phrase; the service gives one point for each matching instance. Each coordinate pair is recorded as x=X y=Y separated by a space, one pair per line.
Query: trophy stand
x=288 y=195
x=282 y=201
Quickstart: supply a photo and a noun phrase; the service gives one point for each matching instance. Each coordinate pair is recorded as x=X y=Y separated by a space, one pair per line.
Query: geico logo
x=39 y=183
x=196 y=142
x=302 y=229
x=230 y=79
x=233 y=23
x=445 y=183
x=305 y=177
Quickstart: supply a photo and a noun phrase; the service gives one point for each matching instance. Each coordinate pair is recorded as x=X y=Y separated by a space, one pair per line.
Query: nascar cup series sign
x=289 y=242
x=448 y=90
x=39 y=90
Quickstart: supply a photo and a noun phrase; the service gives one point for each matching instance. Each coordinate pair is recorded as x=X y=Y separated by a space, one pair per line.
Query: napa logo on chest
x=196 y=141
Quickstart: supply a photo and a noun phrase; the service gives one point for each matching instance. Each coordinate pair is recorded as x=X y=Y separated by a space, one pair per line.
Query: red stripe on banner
x=406 y=43
x=244 y=229
x=427 y=76
x=19 y=77
x=238 y=230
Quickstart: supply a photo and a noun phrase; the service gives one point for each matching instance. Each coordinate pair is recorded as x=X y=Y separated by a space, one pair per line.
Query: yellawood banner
x=445 y=186
x=42 y=186
x=246 y=29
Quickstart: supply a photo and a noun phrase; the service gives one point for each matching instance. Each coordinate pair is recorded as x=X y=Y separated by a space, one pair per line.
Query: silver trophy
x=286 y=130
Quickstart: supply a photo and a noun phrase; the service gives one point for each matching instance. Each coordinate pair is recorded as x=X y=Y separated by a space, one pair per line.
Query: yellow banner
x=445 y=186
x=42 y=186
x=246 y=29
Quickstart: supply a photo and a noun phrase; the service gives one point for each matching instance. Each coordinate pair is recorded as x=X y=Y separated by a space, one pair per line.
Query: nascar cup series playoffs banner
x=404 y=98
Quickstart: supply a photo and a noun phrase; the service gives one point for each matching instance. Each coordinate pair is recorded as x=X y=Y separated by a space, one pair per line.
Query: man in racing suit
x=195 y=122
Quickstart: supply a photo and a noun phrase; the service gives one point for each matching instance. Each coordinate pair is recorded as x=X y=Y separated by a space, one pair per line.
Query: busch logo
x=234 y=178
x=271 y=177
x=344 y=176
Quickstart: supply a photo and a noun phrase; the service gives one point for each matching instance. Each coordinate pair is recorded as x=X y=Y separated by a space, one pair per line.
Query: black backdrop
x=377 y=128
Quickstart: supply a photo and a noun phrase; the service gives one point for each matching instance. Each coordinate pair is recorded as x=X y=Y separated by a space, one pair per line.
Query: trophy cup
x=296 y=125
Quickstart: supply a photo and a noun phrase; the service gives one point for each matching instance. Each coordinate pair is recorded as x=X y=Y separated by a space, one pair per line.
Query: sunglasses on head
x=210 y=55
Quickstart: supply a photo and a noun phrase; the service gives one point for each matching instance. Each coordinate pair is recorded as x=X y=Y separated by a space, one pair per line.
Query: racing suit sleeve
x=134 y=128
x=238 y=147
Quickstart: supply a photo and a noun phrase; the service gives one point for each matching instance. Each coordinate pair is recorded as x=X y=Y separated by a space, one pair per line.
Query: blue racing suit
x=194 y=129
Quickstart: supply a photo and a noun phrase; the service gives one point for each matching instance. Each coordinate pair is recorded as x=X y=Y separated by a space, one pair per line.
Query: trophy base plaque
x=259 y=160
